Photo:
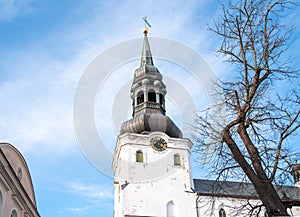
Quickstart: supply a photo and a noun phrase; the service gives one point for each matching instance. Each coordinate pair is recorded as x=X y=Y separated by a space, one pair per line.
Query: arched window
x=140 y=97
x=1 y=203
x=170 y=209
x=151 y=96
x=139 y=156
x=177 y=160
x=14 y=213
x=222 y=213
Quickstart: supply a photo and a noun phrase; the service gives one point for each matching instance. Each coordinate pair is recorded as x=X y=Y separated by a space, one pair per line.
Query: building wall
x=10 y=203
x=150 y=187
x=16 y=191
x=19 y=166
x=209 y=206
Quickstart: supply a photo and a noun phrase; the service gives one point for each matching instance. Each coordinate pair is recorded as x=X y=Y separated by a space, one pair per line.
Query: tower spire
x=148 y=98
x=146 y=52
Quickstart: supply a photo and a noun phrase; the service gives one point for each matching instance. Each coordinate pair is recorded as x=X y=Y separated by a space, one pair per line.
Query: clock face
x=158 y=144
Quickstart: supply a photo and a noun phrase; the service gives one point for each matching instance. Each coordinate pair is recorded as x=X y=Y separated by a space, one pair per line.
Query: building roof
x=239 y=189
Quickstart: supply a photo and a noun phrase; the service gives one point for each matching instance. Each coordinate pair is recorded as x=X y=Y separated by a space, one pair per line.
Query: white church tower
x=151 y=160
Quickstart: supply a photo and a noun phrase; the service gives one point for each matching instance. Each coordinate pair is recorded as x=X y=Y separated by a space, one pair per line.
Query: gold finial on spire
x=146 y=30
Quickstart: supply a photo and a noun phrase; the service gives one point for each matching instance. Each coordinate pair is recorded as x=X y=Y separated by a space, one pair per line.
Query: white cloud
x=94 y=197
x=10 y=9
x=92 y=191
x=38 y=107
x=79 y=210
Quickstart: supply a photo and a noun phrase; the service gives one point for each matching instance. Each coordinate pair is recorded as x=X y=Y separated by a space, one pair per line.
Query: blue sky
x=45 y=46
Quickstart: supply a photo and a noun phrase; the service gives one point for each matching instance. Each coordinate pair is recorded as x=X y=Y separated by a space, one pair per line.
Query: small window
x=222 y=213
x=19 y=173
x=140 y=98
x=14 y=213
x=177 y=160
x=152 y=96
x=170 y=209
x=139 y=156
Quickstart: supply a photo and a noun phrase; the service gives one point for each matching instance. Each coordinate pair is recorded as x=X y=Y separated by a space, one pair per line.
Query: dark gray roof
x=239 y=190
x=151 y=122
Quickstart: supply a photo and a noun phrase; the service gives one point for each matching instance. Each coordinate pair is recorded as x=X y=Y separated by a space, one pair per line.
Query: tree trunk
x=264 y=188
x=270 y=198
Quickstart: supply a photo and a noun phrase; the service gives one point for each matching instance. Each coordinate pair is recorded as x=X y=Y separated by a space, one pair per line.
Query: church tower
x=151 y=160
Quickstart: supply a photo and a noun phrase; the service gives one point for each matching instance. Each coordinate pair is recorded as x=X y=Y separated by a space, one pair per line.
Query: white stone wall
x=149 y=186
x=145 y=188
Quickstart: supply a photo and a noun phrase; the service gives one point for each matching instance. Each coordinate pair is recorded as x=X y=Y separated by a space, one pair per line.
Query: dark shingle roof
x=239 y=190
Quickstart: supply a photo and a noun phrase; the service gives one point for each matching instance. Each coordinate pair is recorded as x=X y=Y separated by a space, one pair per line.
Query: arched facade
x=17 y=197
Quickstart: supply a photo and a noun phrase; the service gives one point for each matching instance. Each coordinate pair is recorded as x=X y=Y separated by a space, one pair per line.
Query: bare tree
x=249 y=135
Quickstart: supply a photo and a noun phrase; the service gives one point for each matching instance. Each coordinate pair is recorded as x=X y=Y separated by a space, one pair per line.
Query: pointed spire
x=148 y=99
x=146 y=52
